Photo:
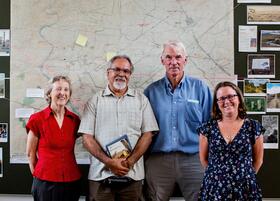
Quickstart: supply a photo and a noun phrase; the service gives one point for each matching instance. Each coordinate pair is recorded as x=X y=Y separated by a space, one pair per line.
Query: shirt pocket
x=193 y=114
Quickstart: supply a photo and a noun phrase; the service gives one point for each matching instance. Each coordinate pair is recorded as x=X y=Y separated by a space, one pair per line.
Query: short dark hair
x=216 y=112
x=121 y=57
x=50 y=86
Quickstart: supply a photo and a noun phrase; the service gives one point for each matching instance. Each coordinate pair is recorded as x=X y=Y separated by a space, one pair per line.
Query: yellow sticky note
x=81 y=40
x=110 y=55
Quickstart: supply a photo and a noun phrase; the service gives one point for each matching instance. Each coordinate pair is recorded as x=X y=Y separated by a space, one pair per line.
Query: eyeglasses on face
x=229 y=97
x=119 y=70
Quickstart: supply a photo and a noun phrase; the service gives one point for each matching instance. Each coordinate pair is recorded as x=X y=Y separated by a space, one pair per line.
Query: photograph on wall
x=261 y=65
x=1 y=162
x=270 y=40
x=270 y=137
x=4 y=42
x=255 y=87
x=2 y=85
x=253 y=1
x=263 y=14
x=255 y=105
x=4 y=132
x=247 y=38
x=273 y=97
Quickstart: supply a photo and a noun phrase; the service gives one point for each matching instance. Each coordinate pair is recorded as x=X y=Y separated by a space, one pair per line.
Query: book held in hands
x=119 y=148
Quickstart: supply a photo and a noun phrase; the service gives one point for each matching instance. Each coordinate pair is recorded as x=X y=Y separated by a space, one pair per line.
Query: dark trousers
x=55 y=191
x=98 y=191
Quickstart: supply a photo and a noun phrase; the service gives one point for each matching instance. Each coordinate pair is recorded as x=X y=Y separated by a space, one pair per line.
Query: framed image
x=255 y=105
x=2 y=85
x=4 y=42
x=263 y=14
x=253 y=1
x=273 y=97
x=255 y=87
x=1 y=162
x=270 y=40
x=271 y=138
x=261 y=65
x=4 y=132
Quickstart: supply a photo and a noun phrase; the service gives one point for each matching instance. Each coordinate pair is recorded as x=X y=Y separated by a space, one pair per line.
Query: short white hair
x=174 y=43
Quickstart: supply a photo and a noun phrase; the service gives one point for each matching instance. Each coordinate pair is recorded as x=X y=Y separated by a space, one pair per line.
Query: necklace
x=229 y=138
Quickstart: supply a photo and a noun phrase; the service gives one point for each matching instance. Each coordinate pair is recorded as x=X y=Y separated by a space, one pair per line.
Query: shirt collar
x=108 y=92
x=168 y=84
x=48 y=112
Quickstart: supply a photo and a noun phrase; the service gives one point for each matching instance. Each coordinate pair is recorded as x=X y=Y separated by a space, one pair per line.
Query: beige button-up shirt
x=108 y=117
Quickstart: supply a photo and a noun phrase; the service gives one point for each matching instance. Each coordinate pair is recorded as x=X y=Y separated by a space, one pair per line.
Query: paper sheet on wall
x=81 y=40
x=247 y=38
x=24 y=112
x=35 y=93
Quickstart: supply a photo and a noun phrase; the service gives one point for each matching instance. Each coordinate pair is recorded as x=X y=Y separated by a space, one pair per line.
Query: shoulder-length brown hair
x=216 y=112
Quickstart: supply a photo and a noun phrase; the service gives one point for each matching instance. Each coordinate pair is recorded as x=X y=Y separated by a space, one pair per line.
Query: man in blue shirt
x=180 y=104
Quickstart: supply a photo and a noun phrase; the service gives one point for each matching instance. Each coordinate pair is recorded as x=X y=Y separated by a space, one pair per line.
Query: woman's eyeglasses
x=228 y=97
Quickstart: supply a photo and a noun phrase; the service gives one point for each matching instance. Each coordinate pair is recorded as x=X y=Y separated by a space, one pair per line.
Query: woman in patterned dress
x=231 y=149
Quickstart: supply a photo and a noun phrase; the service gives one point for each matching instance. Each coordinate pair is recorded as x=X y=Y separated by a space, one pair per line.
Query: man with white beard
x=117 y=127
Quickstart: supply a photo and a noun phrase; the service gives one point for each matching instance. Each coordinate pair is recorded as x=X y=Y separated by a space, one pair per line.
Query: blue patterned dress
x=230 y=175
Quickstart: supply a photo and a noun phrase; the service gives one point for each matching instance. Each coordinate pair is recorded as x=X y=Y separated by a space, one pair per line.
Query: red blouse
x=56 y=158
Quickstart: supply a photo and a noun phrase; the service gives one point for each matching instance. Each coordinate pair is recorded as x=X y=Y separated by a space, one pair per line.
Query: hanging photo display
x=263 y=14
x=255 y=87
x=3 y=132
x=255 y=105
x=2 y=85
x=261 y=65
x=271 y=139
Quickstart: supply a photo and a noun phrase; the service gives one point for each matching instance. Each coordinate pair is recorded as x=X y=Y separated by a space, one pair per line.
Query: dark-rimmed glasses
x=229 y=97
x=119 y=70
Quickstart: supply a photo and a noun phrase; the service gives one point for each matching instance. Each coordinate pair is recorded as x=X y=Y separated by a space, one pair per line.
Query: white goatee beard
x=119 y=85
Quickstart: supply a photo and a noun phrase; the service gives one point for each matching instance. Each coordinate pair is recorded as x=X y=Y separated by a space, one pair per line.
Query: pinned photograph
x=4 y=42
x=270 y=137
x=255 y=87
x=261 y=65
x=2 y=85
x=273 y=97
x=263 y=14
x=253 y=1
x=3 y=132
x=255 y=105
x=1 y=162
x=270 y=40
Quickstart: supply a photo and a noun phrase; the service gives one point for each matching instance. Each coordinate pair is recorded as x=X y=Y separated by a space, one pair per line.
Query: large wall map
x=43 y=35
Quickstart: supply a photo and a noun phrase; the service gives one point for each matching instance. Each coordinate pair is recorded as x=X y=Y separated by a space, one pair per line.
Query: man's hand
x=128 y=163
x=117 y=166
